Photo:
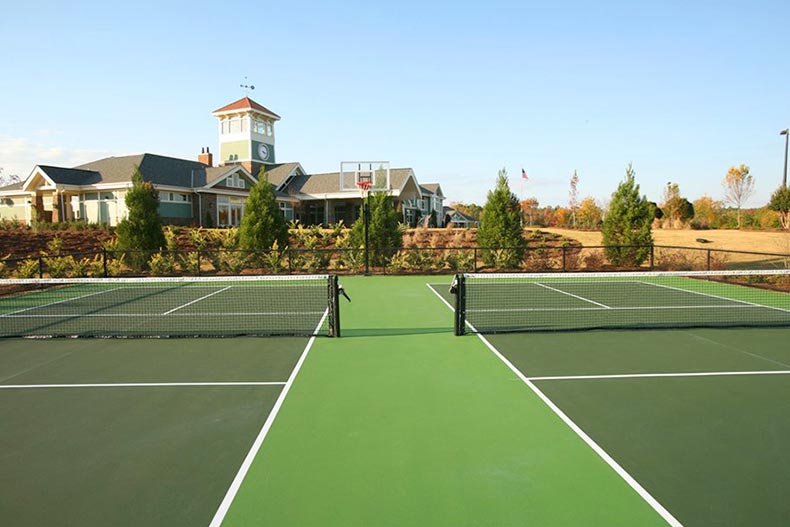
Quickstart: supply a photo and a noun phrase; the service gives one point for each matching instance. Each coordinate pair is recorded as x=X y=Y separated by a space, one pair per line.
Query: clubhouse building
x=202 y=193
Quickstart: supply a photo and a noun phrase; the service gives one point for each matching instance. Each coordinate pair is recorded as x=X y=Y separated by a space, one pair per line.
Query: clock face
x=263 y=152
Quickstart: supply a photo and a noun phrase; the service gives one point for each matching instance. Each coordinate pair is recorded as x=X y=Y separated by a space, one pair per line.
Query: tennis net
x=496 y=303
x=170 y=307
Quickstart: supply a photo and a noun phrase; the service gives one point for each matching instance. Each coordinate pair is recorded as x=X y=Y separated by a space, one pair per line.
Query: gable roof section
x=279 y=173
x=12 y=188
x=215 y=175
x=70 y=176
x=245 y=103
x=159 y=170
x=432 y=188
x=459 y=214
x=329 y=182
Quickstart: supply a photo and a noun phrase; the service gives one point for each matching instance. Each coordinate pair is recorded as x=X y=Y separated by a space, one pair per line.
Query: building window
x=229 y=211
x=175 y=197
x=260 y=127
x=287 y=209
x=236 y=181
x=268 y=129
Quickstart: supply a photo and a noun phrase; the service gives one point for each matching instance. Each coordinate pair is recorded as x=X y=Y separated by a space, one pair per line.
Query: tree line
x=673 y=210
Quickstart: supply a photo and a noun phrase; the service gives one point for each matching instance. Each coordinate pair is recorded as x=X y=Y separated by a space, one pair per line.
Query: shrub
x=81 y=268
x=59 y=267
x=162 y=264
x=189 y=262
x=273 y=259
x=233 y=262
x=28 y=268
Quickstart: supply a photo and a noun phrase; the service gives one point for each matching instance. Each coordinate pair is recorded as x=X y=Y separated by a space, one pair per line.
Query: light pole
x=786 y=133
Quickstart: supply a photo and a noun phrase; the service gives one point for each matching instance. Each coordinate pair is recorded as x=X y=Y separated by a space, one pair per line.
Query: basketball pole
x=367 y=225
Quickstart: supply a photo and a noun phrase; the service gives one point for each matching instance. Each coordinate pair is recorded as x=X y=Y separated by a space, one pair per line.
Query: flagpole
x=521 y=199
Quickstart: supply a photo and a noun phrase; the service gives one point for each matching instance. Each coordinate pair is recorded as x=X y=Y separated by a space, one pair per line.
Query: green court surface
x=399 y=422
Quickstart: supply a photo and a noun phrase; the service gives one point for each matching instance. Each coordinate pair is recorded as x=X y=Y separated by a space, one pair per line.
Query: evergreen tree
x=385 y=234
x=627 y=224
x=500 y=225
x=141 y=230
x=263 y=223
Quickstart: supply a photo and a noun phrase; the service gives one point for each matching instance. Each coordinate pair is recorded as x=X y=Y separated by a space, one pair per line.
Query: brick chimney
x=206 y=157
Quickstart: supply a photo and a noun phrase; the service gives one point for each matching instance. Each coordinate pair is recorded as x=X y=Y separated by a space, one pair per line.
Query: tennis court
x=399 y=422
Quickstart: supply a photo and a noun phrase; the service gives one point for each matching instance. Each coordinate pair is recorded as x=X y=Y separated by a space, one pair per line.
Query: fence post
x=104 y=262
x=290 y=261
x=708 y=259
x=652 y=256
x=198 y=262
x=40 y=267
x=564 y=255
x=474 y=260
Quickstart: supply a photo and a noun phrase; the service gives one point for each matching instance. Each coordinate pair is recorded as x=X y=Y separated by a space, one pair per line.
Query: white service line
x=571 y=294
x=657 y=375
x=715 y=296
x=59 y=302
x=196 y=300
x=230 y=495
x=135 y=385
x=665 y=514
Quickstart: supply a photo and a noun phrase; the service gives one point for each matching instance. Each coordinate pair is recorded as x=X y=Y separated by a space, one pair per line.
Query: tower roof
x=245 y=103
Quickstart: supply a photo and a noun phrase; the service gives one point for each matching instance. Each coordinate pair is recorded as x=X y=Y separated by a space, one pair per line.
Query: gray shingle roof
x=12 y=187
x=71 y=176
x=432 y=188
x=330 y=182
x=159 y=170
x=277 y=173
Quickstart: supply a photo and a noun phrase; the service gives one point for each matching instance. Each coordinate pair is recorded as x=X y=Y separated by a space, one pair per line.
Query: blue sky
x=683 y=90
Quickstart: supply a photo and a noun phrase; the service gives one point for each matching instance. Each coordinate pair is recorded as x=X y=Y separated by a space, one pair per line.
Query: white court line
x=715 y=296
x=623 y=308
x=572 y=295
x=135 y=385
x=224 y=506
x=664 y=513
x=224 y=313
x=196 y=300
x=658 y=375
x=58 y=302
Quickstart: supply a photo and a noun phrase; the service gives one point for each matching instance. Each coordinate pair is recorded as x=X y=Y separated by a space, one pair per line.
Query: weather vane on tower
x=247 y=87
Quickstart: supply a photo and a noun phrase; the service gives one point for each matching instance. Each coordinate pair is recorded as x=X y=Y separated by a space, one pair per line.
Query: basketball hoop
x=364 y=187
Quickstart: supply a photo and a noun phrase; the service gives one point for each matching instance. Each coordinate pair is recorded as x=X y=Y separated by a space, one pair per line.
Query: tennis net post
x=458 y=288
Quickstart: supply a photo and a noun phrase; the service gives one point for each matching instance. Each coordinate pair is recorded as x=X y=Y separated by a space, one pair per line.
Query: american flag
x=524 y=175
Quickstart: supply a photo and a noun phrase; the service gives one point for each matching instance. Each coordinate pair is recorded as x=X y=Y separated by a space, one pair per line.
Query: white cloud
x=18 y=155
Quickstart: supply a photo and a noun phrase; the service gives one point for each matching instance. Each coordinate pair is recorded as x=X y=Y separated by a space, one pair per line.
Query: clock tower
x=246 y=134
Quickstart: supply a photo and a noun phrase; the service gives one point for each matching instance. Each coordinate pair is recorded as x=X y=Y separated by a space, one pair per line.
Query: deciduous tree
x=529 y=208
x=590 y=215
x=706 y=212
x=738 y=187
x=780 y=202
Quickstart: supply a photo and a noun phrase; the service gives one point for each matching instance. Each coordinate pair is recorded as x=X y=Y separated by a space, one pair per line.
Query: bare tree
x=573 y=202
x=9 y=179
x=738 y=187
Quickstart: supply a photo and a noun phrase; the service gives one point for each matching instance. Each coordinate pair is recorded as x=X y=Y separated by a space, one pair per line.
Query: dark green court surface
x=124 y=453
x=399 y=422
